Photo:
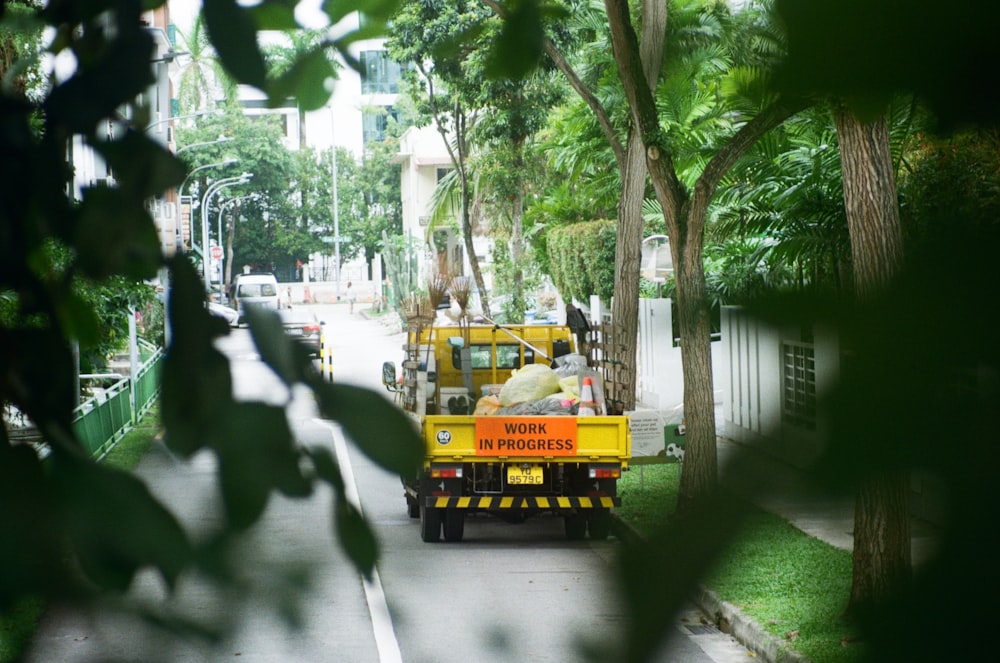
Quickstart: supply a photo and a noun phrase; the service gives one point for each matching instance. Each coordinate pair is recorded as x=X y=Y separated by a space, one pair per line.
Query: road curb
x=726 y=616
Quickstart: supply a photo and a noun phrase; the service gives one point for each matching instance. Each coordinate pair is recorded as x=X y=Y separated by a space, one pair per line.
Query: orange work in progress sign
x=526 y=436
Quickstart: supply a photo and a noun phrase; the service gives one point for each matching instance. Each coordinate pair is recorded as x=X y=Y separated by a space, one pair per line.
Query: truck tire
x=412 y=508
x=430 y=524
x=576 y=526
x=454 y=525
x=599 y=523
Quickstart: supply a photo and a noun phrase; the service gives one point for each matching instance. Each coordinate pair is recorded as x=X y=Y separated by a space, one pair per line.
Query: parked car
x=231 y=316
x=255 y=290
x=302 y=325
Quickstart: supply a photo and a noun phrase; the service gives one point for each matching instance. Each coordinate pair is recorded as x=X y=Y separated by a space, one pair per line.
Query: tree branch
x=603 y=118
x=640 y=97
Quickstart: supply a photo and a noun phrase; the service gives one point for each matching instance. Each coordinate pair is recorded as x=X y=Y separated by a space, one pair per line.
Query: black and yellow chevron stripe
x=510 y=502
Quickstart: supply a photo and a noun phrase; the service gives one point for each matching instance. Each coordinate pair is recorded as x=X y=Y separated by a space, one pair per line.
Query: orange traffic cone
x=587 y=406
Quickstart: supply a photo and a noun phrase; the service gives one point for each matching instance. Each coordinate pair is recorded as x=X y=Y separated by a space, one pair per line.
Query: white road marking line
x=378 y=609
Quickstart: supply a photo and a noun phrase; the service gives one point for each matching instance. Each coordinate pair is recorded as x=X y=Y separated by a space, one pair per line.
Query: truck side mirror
x=389 y=375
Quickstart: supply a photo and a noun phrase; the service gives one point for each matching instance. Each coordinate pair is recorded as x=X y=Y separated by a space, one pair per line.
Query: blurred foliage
x=82 y=529
x=379 y=180
x=918 y=388
x=867 y=51
x=952 y=192
x=582 y=257
x=400 y=253
x=106 y=301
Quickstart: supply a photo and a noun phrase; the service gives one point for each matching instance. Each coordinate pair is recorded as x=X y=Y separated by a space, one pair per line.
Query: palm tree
x=787 y=198
x=281 y=57
x=202 y=77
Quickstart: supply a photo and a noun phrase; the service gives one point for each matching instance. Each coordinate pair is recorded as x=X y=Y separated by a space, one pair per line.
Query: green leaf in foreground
x=381 y=430
x=257 y=454
x=115 y=523
x=307 y=80
x=234 y=35
x=197 y=384
x=356 y=537
x=276 y=349
x=353 y=532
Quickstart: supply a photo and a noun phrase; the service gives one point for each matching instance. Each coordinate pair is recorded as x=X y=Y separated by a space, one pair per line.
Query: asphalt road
x=506 y=593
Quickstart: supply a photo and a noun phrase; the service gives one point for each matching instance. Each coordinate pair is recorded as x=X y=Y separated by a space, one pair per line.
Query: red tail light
x=605 y=472
x=449 y=472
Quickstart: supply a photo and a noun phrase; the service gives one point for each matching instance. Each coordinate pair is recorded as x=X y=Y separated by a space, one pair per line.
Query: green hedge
x=581 y=258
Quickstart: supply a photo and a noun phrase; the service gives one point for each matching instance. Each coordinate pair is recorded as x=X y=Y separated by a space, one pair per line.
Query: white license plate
x=524 y=476
x=295 y=332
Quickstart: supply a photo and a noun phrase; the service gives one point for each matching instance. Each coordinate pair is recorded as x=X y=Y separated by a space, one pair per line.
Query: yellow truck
x=512 y=466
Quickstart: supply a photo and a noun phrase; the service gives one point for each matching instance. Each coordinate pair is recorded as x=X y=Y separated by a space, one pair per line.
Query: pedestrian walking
x=350 y=298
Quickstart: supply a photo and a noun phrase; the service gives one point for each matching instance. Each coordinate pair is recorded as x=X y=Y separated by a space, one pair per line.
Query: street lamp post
x=180 y=189
x=336 y=212
x=214 y=188
x=174 y=118
x=220 y=139
x=222 y=261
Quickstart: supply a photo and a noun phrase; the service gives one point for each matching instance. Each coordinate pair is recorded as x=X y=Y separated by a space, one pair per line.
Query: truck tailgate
x=527 y=438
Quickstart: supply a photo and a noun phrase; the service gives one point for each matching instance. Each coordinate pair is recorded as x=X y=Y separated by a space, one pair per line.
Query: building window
x=374 y=123
x=379 y=74
x=798 y=385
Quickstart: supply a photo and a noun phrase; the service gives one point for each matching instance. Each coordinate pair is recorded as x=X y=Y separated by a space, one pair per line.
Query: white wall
x=660 y=375
x=752 y=383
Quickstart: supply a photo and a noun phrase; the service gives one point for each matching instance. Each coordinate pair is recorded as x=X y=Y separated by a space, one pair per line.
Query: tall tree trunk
x=303 y=143
x=701 y=464
x=517 y=232
x=458 y=160
x=628 y=254
x=628 y=248
x=881 y=516
x=684 y=227
x=466 y=223
x=230 y=235
x=685 y=222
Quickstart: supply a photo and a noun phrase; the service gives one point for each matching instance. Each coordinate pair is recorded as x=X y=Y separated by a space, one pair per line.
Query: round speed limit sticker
x=443 y=437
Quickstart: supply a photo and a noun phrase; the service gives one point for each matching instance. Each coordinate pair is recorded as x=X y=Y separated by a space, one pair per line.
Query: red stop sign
x=216 y=253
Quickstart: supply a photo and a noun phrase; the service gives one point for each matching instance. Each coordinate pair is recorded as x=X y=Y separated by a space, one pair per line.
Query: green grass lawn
x=130 y=449
x=18 y=624
x=793 y=585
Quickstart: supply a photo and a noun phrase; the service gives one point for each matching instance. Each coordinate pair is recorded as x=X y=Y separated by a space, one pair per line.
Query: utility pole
x=336 y=213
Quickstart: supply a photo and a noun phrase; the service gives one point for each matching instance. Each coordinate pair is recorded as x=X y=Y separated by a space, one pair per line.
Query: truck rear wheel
x=576 y=526
x=454 y=525
x=599 y=524
x=430 y=524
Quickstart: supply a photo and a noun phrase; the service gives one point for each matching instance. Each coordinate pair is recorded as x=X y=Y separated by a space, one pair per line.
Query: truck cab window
x=508 y=356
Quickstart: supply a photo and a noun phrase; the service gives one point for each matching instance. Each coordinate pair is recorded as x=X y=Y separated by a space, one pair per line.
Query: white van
x=255 y=290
